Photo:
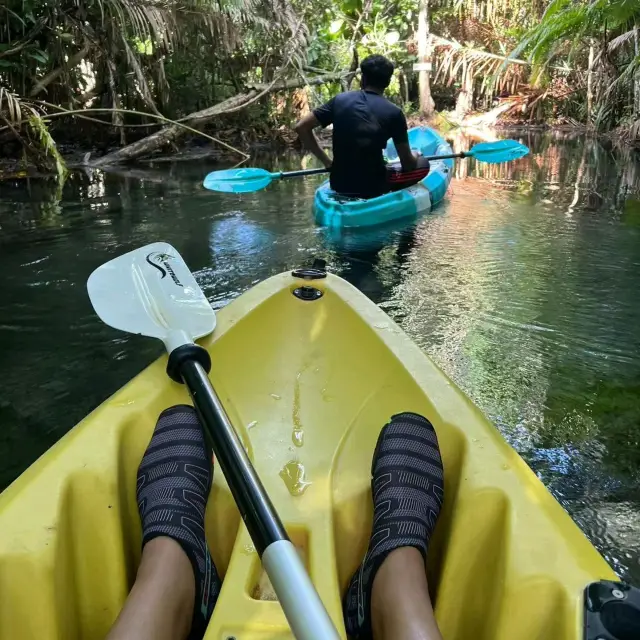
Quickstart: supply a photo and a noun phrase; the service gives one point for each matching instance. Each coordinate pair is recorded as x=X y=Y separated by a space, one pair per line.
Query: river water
x=524 y=286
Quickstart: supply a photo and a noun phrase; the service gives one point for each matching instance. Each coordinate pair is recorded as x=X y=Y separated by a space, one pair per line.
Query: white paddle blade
x=151 y=291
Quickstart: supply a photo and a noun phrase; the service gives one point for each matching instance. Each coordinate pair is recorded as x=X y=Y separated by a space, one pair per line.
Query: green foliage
x=572 y=31
x=140 y=54
x=48 y=146
x=143 y=47
x=175 y=57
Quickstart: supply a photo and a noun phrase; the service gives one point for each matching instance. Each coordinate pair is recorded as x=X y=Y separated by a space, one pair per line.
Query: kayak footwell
x=308 y=385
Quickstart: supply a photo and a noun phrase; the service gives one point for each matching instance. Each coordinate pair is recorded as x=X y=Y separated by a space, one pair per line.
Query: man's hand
x=407 y=157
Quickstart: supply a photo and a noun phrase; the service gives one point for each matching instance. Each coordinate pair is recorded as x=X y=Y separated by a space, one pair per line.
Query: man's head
x=376 y=72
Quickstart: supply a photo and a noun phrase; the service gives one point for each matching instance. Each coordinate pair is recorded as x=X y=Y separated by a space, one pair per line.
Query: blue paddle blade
x=239 y=180
x=499 y=151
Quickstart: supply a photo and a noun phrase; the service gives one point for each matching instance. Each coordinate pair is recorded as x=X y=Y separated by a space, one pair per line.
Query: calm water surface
x=524 y=287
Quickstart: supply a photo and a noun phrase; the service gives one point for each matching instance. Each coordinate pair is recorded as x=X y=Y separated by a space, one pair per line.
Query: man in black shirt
x=363 y=121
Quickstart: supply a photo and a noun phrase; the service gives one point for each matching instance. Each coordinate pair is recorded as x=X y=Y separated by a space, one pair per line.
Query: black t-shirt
x=362 y=121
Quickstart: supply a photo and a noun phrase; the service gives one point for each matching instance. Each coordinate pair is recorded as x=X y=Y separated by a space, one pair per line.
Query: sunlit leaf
x=336 y=25
x=392 y=37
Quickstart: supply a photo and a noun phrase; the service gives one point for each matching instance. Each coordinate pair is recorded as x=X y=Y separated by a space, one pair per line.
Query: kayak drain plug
x=307 y=293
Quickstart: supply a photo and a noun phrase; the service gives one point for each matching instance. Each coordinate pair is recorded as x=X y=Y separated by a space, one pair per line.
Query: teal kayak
x=334 y=210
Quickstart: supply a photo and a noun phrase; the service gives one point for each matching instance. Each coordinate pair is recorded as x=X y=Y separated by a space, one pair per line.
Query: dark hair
x=376 y=71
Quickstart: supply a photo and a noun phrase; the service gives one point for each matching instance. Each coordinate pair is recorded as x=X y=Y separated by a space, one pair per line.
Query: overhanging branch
x=198 y=119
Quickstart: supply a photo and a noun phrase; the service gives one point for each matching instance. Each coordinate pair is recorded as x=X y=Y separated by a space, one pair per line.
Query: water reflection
x=373 y=261
x=524 y=294
x=522 y=286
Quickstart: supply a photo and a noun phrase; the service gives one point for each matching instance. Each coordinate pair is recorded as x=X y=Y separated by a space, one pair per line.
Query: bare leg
x=177 y=583
x=388 y=596
x=160 y=605
x=400 y=603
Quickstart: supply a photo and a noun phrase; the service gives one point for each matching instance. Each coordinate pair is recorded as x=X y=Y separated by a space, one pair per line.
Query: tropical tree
x=154 y=56
x=427 y=104
x=159 y=59
x=598 y=41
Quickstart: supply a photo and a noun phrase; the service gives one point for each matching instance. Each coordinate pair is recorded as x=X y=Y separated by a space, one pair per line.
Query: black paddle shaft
x=256 y=509
x=303 y=172
x=448 y=156
x=313 y=172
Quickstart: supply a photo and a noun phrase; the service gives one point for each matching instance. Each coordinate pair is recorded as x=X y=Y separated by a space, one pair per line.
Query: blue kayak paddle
x=249 y=180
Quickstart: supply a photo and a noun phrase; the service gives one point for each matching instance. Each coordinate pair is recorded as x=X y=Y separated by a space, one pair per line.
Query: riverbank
x=252 y=141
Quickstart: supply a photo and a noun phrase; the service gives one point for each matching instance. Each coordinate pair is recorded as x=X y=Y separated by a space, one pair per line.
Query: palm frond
x=631 y=71
x=10 y=103
x=497 y=71
x=622 y=39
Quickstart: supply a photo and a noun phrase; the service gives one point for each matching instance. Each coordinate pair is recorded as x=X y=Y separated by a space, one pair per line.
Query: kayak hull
x=334 y=211
x=308 y=385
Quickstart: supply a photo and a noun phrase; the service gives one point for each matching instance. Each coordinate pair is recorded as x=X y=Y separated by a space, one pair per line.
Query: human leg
x=388 y=595
x=160 y=604
x=401 y=607
x=174 y=481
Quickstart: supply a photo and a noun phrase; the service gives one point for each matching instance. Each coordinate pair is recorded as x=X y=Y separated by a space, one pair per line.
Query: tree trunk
x=464 y=101
x=168 y=135
x=636 y=82
x=355 y=63
x=424 y=56
x=590 y=85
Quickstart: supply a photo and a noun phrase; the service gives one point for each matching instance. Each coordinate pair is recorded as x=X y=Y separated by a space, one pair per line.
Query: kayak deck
x=333 y=210
x=308 y=385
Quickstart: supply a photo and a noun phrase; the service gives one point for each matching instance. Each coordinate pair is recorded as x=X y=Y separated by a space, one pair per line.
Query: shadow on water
x=522 y=286
x=373 y=260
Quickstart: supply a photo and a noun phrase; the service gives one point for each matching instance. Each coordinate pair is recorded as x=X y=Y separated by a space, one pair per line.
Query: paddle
x=150 y=291
x=249 y=179
x=491 y=152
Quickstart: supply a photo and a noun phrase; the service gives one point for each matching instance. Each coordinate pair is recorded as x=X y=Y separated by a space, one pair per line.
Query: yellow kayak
x=308 y=384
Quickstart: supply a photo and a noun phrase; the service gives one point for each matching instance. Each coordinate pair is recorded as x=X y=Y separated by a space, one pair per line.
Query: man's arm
x=407 y=158
x=401 y=140
x=304 y=129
